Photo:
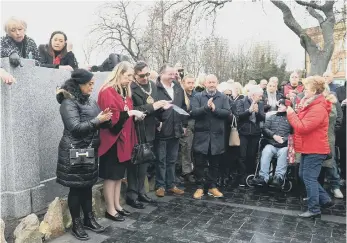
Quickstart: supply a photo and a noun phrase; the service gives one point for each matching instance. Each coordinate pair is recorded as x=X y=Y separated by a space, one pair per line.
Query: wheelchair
x=290 y=174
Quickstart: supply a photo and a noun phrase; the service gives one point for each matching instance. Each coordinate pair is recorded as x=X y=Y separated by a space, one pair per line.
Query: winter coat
x=311 y=126
x=8 y=46
x=267 y=107
x=80 y=123
x=47 y=60
x=139 y=101
x=288 y=88
x=277 y=124
x=209 y=128
x=172 y=122
x=245 y=126
x=331 y=130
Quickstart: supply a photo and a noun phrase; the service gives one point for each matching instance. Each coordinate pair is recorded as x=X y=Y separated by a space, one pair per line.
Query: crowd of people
x=201 y=131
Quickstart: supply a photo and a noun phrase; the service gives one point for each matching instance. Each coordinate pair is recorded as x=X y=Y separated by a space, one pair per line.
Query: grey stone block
x=44 y=194
x=15 y=204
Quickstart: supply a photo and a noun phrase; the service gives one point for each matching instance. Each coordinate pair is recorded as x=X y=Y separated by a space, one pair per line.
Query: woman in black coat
x=82 y=119
x=55 y=53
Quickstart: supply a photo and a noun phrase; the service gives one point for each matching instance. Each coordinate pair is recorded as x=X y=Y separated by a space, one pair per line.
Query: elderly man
x=250 y=113
x=276 y=131
x=210 y=108
x=329 y=78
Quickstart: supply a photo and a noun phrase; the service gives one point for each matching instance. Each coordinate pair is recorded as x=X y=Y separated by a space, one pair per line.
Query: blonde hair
x=200 y=81
x=14 y=22
x=113 y=79
x=238 y=87
x=315 y=83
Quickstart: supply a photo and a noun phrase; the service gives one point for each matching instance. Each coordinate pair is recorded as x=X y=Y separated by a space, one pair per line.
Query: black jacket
x=47 y=60
x=245 y=126
x=80 y=123
x=266 y=98
x=209 y=128
x=172 y=122
x=8 y=46
x=277 y=124
x=139 y=100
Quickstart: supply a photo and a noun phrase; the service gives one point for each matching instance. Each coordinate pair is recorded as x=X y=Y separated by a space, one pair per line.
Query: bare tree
x=319 y=57
x=118 y=28
x=88 y=48
x=167 y=33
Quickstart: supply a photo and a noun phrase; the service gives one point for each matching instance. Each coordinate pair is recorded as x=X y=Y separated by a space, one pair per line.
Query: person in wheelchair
x=276 y=131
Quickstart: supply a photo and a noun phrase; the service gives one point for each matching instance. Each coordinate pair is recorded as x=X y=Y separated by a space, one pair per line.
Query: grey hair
x=255 y=89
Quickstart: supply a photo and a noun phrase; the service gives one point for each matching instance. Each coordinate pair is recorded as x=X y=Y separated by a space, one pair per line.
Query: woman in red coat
x=118 y=141
x=311 y=140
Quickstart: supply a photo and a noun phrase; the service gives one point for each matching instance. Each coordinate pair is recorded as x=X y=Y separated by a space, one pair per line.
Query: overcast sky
x=239 y=22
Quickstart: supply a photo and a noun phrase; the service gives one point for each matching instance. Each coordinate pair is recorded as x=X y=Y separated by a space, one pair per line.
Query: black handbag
x=82 y=156
x=143 y=151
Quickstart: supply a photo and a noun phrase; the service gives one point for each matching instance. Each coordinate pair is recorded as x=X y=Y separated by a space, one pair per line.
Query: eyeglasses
x=144 y=75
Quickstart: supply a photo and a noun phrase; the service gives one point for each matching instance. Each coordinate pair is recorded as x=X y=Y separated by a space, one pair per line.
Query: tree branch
x=311 y=4
x=315 y=14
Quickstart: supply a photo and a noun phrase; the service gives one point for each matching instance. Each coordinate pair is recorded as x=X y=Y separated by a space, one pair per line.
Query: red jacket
x=127 y=138
x=288 y=88
x=311 y=127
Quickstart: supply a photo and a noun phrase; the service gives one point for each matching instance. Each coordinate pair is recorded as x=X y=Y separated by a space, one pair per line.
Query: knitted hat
x=81 y=76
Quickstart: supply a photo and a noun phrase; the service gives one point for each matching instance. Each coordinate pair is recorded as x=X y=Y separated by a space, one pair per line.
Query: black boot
x=77 y=229
x=91 y=223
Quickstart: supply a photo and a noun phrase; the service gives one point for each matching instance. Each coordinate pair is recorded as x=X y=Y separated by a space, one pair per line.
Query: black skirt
x=110 y=168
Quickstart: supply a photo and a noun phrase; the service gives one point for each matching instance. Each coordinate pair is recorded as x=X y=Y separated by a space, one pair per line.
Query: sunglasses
x=144 y=75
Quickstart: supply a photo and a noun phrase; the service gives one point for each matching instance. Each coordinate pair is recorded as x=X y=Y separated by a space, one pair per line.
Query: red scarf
x=56 y=60
x=126 y=139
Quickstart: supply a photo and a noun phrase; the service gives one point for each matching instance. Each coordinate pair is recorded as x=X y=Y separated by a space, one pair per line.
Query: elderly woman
x=82 y=120
x=250 y=114
x=56 y=54
x=311 y=140
x=16 y=41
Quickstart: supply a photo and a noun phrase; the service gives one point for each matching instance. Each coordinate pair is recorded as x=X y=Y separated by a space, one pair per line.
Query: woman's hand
x=139 y=115
x=289 y=110
x=105 y=115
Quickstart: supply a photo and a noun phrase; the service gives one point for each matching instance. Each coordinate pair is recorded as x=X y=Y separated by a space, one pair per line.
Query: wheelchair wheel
x=249 y=179
x=287 y=186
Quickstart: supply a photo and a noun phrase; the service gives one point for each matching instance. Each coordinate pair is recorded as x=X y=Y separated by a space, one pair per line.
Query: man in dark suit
x=145 y=98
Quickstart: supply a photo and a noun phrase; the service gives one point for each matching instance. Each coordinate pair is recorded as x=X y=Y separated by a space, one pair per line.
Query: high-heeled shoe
x=123 y=212
x=116 y=217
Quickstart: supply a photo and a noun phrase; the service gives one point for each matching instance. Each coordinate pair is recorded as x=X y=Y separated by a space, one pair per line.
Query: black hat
x=81 y=76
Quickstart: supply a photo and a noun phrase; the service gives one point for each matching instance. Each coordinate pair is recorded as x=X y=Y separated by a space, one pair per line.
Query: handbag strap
x=138 y=125
x=90 y=144
x=234 y=122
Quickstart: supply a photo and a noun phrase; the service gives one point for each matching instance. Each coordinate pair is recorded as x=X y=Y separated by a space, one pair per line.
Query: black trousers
x=208 y=179
x=136 y=175
x=248 y=154
x=77 y=198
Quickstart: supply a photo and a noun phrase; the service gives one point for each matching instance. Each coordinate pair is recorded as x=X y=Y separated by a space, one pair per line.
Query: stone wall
x=30 y=131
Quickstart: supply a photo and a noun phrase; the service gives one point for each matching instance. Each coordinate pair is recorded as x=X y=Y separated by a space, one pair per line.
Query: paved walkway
x=244 y=215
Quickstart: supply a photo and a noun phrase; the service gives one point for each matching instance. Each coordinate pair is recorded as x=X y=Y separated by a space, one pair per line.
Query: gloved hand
x=15 y=60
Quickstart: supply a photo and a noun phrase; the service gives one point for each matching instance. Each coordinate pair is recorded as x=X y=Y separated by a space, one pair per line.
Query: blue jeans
x=266 y=156
x=167 y=153
x=333 y=175
x=309 y=170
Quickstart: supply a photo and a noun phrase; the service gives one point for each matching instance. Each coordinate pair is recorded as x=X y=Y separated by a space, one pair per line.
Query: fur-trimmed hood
x=62 y=94
x=331 y=98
